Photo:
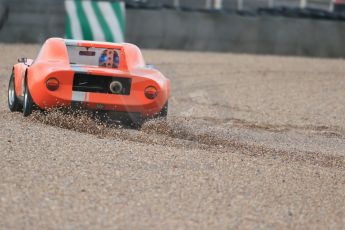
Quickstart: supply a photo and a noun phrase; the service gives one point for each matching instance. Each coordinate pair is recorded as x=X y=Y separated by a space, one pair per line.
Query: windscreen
x=102 y=57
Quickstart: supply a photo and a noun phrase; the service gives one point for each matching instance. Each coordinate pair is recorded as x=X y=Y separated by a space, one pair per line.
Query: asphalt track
x=251 y=142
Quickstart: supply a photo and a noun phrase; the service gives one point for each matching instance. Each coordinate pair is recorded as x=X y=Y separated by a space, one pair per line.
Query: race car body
x=91 y=75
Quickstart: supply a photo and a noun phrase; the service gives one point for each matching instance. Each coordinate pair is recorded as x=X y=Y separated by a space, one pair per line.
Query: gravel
x=250 y=142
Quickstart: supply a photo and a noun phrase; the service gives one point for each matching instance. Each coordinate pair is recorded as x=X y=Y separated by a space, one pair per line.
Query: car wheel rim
x=25 y=99
x=11 y=93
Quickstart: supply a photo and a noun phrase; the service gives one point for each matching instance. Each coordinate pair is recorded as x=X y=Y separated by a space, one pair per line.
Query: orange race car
x=96 y=76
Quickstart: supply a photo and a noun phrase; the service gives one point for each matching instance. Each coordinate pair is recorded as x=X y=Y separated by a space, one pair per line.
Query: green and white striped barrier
x=95 y=20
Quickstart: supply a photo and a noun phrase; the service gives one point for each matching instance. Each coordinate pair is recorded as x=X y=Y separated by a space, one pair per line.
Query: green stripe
x=68 y=34
x=106 y=30
x=120 y=15
x=84 y=23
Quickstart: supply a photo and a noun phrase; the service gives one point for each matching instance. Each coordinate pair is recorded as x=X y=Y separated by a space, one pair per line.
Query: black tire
x=132 y=123
x=13 y=102
x=27 y=101
x=164 y=112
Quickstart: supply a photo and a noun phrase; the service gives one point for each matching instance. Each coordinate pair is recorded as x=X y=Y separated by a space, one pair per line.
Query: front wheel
x=28 y=102
x=13 y=102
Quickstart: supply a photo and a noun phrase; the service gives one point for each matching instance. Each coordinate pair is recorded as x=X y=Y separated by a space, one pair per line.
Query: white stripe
x=123 y=9
x=111 y=19
x=94 y=24
x=73 y=16
x=78 y=96
x=78 y=69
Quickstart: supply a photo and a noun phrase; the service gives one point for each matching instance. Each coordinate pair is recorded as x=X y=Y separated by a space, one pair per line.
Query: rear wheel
x=13 y=102
x=27 y=102
x=134 y=123
x=164 y=112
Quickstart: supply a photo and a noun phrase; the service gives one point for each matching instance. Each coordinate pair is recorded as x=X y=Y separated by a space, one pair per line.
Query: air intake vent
x=100 y=84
